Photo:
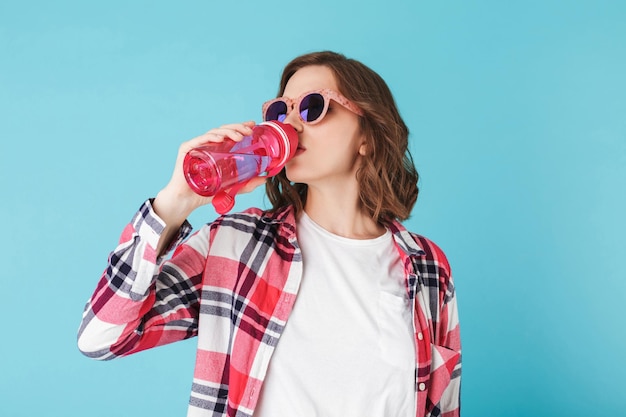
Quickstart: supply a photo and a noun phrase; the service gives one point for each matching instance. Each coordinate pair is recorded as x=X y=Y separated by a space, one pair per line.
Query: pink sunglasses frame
x=328 y=95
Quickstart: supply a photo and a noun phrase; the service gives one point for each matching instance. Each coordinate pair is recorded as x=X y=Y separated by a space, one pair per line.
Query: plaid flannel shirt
x=233 y=284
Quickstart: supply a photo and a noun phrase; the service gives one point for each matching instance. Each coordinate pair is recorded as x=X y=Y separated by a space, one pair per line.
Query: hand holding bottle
x=175 y=202
x=221 y=169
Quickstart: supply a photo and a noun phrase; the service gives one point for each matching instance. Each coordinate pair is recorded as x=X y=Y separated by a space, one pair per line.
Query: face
x=329 y=152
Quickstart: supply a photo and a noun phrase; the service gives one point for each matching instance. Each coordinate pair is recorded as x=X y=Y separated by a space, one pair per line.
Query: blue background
x=517 y=116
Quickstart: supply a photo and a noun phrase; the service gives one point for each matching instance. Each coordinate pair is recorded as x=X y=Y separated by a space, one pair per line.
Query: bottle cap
x=223 y=202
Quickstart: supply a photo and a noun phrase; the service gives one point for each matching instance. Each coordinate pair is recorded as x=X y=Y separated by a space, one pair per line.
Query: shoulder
x=432 y=251
x=433 y=265
x=254 y=218
x=255 y=214
x=252 y=232
x=418 y=246
x=249 y=214
x=427 y=257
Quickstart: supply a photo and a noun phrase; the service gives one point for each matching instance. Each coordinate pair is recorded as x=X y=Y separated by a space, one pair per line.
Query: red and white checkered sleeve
x=142 y=301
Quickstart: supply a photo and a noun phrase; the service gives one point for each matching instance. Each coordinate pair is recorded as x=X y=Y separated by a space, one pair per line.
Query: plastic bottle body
x=208 y=171
x=222 y=166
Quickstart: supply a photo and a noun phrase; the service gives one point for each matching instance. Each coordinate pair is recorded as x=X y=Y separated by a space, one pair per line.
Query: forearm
x=173 y=207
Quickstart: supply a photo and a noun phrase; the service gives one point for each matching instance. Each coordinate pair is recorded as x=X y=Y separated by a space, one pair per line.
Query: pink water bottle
x=220 y=169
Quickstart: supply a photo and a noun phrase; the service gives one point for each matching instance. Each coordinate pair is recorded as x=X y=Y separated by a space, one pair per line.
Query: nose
x=293 y=120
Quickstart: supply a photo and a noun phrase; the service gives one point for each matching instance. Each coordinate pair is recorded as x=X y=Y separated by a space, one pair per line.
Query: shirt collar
x=285 y=217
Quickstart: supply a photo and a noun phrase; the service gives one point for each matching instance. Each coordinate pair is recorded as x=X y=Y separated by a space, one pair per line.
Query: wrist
x=172 y=207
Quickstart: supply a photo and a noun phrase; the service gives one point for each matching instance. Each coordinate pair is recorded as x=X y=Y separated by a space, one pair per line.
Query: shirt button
x=420 y=336
x=421 y=386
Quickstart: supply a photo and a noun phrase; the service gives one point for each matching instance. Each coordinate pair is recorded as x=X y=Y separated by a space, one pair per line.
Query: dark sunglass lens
x=311 y=107
x=276 y=111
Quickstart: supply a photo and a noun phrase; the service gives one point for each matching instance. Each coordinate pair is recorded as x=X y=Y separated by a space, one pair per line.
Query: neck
x=337 y=209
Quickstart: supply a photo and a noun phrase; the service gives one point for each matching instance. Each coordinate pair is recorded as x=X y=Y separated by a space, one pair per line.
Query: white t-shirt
x=348 y=347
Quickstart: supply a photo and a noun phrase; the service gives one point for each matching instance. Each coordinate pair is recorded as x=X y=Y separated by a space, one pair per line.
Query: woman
x=322 y=306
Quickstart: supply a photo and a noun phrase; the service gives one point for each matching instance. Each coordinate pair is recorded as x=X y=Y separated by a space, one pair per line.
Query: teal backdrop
x=517 y=112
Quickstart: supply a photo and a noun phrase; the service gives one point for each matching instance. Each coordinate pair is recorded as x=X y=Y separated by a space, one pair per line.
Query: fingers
x=177 y=190
x=234 y=131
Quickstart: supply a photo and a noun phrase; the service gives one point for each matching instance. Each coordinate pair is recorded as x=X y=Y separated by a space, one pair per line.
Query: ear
x=363 y=149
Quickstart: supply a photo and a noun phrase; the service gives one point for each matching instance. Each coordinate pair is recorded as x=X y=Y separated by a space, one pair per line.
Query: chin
x=292 y=172
x=296 y=177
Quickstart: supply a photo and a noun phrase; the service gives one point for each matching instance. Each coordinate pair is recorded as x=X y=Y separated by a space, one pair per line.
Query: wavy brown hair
x=387 y=178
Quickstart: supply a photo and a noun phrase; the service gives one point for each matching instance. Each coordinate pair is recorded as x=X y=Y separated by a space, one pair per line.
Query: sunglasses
x=312 y=106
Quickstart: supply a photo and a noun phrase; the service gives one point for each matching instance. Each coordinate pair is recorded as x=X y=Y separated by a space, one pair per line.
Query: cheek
x=351 y=139
x=346 y=132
